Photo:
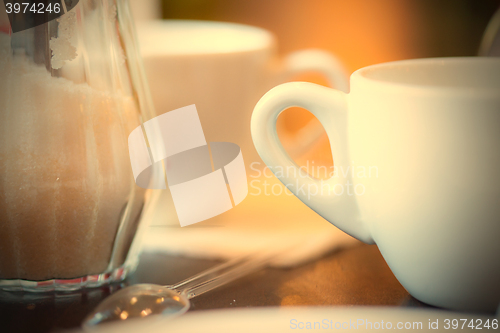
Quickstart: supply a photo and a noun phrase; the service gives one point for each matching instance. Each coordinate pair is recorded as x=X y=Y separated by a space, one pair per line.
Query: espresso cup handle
x=329 y=106
x=313 y=61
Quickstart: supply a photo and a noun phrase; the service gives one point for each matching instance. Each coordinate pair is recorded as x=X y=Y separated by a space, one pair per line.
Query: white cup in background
x=416 y=147
x=223 y=68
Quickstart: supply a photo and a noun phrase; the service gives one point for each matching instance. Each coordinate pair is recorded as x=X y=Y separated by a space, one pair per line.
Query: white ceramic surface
x=428 y=130
x=313 y=319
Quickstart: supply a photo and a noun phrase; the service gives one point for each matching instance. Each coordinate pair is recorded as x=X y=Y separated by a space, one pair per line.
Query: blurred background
x=359 y=32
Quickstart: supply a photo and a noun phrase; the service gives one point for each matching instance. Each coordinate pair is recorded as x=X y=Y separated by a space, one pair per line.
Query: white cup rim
x=377 y=76
x=155 y=36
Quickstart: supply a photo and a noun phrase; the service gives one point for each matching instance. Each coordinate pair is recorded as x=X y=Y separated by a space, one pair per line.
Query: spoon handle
x=222 y=274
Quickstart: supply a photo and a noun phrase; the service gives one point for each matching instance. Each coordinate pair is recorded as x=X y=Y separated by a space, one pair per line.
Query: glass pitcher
x=71 y=91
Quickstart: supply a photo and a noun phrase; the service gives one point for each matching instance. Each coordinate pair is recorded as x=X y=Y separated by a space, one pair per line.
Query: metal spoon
x=144 y=300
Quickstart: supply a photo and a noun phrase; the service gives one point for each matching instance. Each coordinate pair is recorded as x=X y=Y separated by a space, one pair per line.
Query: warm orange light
x=124 y=315
x=145 y=312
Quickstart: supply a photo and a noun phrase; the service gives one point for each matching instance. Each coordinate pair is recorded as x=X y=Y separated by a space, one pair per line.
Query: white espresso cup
x=223 y=68
x=417 y=170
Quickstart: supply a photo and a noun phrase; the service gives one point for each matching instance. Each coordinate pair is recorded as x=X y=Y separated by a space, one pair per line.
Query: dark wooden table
x=354 y=276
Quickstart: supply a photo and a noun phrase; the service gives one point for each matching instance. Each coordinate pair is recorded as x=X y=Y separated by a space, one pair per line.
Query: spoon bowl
x=138 y=301
x=145 y=300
